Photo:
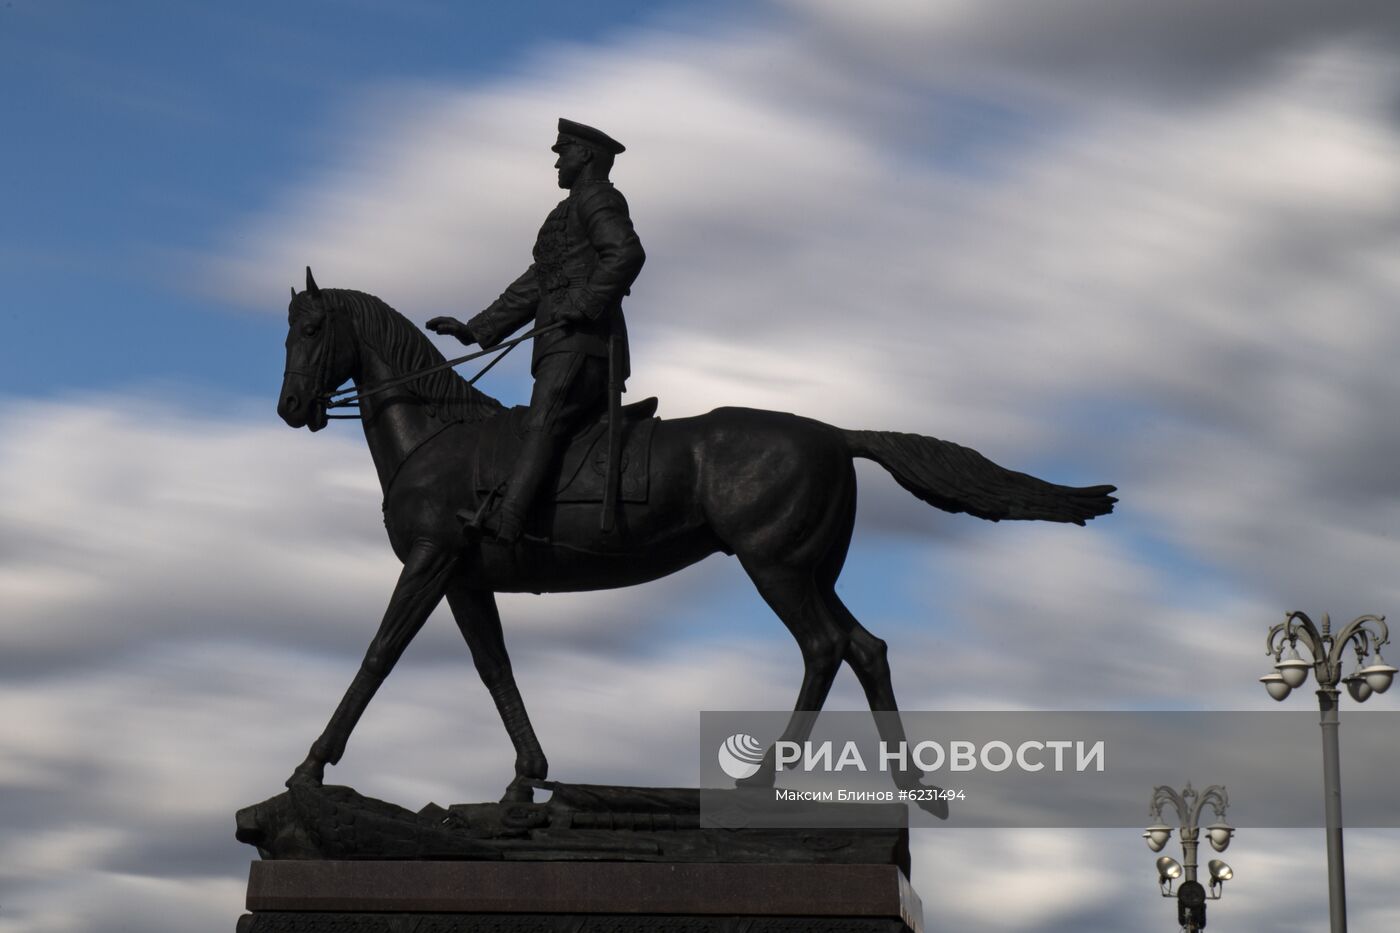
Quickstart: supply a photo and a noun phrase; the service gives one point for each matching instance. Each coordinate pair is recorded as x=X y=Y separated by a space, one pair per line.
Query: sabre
x=505 y=347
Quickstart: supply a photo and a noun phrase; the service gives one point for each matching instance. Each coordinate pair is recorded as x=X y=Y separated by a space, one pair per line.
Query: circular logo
x=740 y=756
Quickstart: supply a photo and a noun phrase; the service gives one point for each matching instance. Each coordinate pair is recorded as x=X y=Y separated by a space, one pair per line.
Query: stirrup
x=475 y=521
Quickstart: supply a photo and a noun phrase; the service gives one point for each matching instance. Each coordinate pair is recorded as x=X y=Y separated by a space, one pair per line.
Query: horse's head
x=320 y=355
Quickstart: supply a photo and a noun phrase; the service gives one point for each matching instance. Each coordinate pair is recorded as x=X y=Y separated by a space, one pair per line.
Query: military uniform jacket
x=586 y=256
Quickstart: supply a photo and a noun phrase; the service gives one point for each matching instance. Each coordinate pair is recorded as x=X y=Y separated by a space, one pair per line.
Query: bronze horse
x=773 y=489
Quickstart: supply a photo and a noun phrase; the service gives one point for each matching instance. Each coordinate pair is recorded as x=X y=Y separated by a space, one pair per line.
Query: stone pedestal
x=327 y=896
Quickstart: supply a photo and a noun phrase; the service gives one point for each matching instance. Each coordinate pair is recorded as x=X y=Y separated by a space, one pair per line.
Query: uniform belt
x=554 y=279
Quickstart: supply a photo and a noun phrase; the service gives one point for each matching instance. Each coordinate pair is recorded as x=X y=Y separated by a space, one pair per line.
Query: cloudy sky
x=1101 y=240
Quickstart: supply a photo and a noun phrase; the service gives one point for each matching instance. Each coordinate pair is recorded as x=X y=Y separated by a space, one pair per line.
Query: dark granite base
x=292 y=896
x=579 y=822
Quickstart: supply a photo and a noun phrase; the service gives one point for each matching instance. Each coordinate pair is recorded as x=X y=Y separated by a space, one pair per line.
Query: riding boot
x=530 y=471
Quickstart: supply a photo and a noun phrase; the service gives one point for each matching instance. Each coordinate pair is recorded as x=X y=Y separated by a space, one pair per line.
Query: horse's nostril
x=290 y=402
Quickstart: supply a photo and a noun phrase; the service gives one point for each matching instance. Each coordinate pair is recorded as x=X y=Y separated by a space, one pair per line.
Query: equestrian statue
x=578 y=492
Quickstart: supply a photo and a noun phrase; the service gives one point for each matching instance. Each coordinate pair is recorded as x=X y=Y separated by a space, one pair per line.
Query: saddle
x=583 y=468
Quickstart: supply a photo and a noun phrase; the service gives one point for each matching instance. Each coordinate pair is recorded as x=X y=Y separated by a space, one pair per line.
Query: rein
x=350 y=398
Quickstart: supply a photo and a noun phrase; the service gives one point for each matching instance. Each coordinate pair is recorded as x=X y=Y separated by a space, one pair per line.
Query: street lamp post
x=1366 y=634
x=1191 y=897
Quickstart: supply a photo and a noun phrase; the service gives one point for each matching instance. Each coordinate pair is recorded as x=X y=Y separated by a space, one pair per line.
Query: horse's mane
x=404 y=346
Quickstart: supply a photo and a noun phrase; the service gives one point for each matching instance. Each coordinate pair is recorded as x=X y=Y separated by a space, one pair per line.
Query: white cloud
x=1065 y=880
x=1073 y=49
x=1060 y=618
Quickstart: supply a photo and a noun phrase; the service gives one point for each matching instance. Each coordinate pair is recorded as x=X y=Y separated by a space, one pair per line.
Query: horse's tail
x=958 y=479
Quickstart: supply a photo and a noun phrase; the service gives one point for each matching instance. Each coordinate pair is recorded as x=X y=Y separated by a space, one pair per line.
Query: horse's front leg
x=476 y=615
x=419 y=590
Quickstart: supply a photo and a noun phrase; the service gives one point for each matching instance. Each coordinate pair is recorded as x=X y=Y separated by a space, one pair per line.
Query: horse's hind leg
x=476 y=615
x=866 y=654
x=795 y=597
x=869 y=659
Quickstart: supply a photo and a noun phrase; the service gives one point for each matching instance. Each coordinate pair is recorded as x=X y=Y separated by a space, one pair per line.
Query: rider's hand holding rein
x=570 y=313
x=451 y=327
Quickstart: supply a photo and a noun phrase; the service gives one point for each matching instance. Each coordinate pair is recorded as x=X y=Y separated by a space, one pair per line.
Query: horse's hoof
x=934 y=804
x=766 y=775
x=762 y=778
x=938 y=809
x=518 y=792
x=307 y=776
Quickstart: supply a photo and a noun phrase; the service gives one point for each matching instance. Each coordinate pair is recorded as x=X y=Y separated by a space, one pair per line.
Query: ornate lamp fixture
x=1366 y=635
x=1191 y=896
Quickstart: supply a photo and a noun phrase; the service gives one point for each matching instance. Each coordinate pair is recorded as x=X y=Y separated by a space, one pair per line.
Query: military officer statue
x=586 y=257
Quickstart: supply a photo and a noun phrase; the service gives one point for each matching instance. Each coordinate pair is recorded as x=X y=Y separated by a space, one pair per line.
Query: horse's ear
x=311 y=284
x=294 y=292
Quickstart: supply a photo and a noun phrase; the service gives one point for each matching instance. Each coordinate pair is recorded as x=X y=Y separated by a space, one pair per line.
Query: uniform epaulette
x=599 y=197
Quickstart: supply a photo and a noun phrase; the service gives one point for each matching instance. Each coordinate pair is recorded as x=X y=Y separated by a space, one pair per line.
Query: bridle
x=352 y=399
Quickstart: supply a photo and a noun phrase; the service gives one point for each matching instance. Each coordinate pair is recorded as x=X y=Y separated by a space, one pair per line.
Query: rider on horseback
x=586 y=257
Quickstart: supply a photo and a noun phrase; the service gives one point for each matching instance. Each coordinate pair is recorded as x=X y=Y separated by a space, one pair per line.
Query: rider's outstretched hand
x=450 y=327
